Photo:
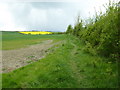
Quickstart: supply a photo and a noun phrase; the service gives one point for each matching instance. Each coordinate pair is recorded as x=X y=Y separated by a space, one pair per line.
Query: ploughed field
x=52 y=61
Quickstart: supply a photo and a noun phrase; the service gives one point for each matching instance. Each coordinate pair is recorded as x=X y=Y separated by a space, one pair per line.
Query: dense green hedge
x=100 y=35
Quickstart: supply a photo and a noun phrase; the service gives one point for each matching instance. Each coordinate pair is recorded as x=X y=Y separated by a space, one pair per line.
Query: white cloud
x=6 y=18
x=46 y=16
x=38 y=16
x=7 y=21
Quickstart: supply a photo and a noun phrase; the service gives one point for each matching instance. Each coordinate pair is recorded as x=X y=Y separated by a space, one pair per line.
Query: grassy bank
x=68 y=66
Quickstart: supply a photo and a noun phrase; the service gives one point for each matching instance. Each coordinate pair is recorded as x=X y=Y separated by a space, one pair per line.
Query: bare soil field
x=13 y=59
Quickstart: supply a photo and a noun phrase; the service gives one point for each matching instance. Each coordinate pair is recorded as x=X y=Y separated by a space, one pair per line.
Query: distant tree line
x=100 y=34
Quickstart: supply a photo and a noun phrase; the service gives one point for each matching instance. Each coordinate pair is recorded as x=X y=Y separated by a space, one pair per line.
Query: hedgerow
x=100 y=35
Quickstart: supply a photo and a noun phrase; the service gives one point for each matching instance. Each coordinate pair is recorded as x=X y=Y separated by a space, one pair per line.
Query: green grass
x=14 y=40
x=0 y=81
x=68 y=66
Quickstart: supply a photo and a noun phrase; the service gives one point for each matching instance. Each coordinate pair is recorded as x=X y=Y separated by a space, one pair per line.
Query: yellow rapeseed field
x=36 y=32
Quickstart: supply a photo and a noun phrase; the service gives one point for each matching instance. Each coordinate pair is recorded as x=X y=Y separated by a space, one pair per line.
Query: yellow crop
x=37 y=32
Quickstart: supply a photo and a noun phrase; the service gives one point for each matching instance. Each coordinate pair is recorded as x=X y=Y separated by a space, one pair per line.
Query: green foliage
x=69 y=30
x=58 y=32
x=78 y=27
x=100 y=34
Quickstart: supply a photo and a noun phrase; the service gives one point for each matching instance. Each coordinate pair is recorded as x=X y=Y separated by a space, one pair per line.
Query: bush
x=100 y=35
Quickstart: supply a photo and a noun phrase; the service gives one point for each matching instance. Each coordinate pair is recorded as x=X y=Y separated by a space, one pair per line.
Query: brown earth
x=13 y=59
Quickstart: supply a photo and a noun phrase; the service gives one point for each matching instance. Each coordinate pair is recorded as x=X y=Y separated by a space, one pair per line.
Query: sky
x=45 y=15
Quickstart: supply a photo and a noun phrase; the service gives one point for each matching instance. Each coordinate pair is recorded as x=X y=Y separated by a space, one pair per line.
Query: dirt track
x=13 y=59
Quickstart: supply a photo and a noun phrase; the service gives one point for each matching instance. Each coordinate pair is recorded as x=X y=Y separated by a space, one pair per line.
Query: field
x=65 y=66
x=14 y=40
x=36 y=32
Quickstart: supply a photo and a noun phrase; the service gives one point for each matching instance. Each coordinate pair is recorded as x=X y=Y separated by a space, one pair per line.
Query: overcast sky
x=50 y=15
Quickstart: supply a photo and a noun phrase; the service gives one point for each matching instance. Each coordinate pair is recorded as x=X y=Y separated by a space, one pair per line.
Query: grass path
x=73 y=64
